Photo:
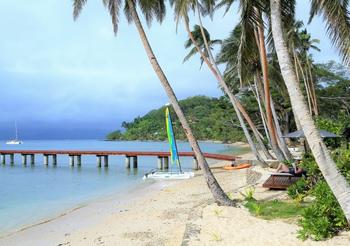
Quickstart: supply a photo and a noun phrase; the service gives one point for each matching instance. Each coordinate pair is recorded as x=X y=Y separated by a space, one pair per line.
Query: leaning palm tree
x=181 y=9
x=252 y=31
x=338 y=184
x=150 y=9
x=197 y=40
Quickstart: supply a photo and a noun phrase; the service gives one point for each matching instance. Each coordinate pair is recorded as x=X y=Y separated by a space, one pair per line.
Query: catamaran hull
x=168 y=176
x=14 y=142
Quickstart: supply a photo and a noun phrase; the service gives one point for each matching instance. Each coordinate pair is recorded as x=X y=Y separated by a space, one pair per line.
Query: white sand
x=171 y=213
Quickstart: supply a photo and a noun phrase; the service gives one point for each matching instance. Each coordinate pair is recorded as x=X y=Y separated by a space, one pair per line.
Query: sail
x=171 y=138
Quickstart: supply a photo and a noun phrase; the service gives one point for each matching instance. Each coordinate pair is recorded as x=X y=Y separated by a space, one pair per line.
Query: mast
x=16 y=130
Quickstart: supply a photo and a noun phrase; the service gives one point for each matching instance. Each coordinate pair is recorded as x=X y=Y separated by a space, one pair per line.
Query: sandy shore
x=171 y=213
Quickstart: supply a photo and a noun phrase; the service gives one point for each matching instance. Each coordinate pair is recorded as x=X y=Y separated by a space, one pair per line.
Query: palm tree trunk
x=297 y=123
x=281 y=141
x=338 y=184
x=312 y=87
x=239 y=109
x=263 y=60
x=305 y=82
x=258 y=98
x=219 y=195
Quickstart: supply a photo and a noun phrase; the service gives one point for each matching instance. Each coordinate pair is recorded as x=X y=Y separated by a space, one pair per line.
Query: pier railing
x=163 y=157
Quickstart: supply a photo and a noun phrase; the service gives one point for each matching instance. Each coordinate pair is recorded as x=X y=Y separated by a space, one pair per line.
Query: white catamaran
x=175 y=161
x=15 y=140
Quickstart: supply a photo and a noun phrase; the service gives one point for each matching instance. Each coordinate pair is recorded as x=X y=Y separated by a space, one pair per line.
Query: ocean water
x=29 y=194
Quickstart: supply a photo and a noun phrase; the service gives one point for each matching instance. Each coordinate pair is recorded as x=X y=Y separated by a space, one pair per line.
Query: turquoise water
x=29 y=194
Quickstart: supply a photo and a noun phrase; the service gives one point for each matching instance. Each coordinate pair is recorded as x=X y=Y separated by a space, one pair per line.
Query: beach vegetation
x=274 y=209
x=218 y=212
x=338 y=30
x=249 y=193
x=323 y=218
x=216 y=237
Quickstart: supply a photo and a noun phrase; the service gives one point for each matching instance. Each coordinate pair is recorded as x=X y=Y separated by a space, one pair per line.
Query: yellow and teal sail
x=172 y=141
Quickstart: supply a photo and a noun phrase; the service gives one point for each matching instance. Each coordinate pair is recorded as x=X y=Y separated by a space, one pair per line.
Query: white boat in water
x=15 y=140
x=174 y=157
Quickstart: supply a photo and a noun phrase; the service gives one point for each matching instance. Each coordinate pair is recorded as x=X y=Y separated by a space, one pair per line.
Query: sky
x=66 y=79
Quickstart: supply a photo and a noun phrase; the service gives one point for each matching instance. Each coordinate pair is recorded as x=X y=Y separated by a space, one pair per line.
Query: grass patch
x=274 y=209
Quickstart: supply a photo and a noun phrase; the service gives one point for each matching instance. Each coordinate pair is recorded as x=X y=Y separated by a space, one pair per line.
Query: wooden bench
x=280 y=181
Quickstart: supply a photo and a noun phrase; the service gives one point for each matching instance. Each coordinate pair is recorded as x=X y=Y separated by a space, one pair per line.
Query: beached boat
x=168 y=175
x=174 y=157
x=15 y=140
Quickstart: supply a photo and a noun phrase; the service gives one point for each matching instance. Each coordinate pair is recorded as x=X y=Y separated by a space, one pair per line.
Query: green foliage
x=324 y=218
x=249 y=193
x=209 y=118
x=114 y=135
x=335 y=126
x=298 y=189
x=342 y=157
x=274 y=209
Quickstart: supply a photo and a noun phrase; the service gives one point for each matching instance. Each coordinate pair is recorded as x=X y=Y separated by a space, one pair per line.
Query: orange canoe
x=240 y=166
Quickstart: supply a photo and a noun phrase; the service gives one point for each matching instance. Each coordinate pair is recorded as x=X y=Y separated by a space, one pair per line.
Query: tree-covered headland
x=214 y=118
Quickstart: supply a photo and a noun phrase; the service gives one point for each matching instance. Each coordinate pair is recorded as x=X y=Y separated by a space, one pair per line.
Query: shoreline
x=169 y=213
x=37 y=220
x=129 y=196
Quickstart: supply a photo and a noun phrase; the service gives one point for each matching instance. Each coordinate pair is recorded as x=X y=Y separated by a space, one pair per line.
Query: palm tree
x=197 y=40
x=338 y=184
x=156 y=9
x=197 y=35
x=252 y=31
x=300 y=44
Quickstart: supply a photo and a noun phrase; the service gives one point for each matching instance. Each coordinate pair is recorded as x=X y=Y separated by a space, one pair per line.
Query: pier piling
x=3 y=159
x=166 y=163
x=105 y=160
x=135 y=162
x=12 y=159
x=160 y=162
x=79 y=160
x=46 y=160
x=24 y=159
x=71 y=160
x=127 y=161
x=32 y=159
x=98 y=157
x=54 y=160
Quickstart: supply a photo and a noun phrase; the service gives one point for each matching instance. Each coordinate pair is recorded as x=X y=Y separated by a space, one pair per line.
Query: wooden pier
x=102 y=157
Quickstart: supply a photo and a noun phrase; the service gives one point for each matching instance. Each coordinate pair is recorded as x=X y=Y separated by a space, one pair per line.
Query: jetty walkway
x=102 y=156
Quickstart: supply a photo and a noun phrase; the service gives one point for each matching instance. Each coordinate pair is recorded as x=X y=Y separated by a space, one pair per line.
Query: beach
x=172 y=213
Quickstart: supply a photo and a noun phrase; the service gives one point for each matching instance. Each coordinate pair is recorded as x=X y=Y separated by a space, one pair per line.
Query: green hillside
x=210 y=119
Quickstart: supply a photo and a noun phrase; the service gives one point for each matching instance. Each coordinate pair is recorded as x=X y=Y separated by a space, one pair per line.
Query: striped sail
x=171 y=138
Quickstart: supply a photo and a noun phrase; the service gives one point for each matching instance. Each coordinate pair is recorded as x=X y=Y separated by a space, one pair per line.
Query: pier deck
x=163 y=157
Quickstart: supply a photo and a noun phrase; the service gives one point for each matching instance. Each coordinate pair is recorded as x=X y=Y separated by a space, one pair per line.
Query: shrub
x=324 y=218
x=297 y=189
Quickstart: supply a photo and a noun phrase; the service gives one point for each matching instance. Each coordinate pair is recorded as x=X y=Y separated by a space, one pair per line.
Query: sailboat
x=174 y=157
x=15 y=140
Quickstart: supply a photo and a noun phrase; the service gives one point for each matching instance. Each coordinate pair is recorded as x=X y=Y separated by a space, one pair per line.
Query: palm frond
x=336 y=15
x=151 y=9
x=192 y=52
x=113 y=7
x=77 y=7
